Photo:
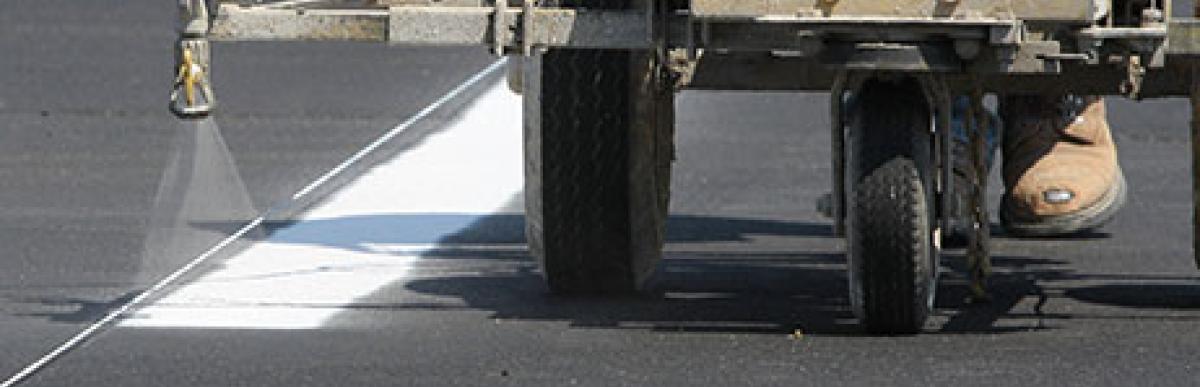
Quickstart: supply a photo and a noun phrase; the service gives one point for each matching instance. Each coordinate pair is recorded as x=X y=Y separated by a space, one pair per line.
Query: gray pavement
x=85 y=139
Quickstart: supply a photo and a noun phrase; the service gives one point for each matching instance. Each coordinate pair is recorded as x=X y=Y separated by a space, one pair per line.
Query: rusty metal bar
x=815 y=46
x=257 y=23
x=1070 y=11
x=758 y=71
x=578 y=27
x=942 y=99
x=979 y=259
x=475 y=26
x=555 y=27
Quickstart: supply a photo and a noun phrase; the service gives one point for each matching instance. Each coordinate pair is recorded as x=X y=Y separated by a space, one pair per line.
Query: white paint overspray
x=201 y=198
x=168 y=280
x=305 y=274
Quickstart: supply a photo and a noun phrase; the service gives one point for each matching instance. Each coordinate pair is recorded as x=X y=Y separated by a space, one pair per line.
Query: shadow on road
x=1155 y=296
x=359 y=233
x=718 y=277
x=1040 y=281
x=747 y=290
x=77 y=310
x=736 y=287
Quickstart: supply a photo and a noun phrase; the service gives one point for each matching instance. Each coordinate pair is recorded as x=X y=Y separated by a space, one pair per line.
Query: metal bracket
x=837 y=136
x=941 y=99
x=501 y=32
x=527 y=29
x=844 y=81
x=193 y=14
x=1131 y=87
x=192 y=94
x=499 y=26
x=693 y=53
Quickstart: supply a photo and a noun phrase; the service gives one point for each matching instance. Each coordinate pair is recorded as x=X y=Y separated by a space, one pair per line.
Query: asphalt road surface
x=408 y=267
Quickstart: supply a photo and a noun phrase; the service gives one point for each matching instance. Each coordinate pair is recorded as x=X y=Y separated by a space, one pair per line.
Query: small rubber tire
x=892 y=258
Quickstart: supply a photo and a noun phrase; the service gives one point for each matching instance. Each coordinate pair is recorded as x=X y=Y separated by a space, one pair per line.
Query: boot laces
x=1045 y=121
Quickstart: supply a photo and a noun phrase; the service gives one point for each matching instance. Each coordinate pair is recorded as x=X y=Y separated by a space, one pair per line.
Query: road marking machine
x=599 y=78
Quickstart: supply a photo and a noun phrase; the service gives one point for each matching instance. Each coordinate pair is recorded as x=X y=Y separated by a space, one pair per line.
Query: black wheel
x=598 y=153
x=891 y=253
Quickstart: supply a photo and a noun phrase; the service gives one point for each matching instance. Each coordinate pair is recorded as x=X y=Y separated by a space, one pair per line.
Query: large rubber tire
x=891 y=253
x=598 y=153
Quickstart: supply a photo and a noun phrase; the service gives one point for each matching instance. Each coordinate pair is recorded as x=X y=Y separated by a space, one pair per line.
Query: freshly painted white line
x=421 y=115
x=170 y=279
x=304 y=274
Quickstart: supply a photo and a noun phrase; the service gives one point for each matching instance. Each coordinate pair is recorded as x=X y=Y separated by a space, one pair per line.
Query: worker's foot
x=1060 y=166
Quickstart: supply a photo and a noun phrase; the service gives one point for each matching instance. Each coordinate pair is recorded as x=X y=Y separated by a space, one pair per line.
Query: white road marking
x=116 y=314
x=345 y=248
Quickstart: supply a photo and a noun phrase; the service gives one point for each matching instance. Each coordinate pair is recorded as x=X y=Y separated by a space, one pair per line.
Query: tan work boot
x=1060 y=166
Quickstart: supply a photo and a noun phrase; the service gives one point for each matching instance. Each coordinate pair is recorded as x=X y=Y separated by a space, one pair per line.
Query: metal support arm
x=498 y=27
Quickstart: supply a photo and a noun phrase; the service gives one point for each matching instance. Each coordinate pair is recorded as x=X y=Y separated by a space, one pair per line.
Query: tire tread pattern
x=891 y=257
x=597 y=171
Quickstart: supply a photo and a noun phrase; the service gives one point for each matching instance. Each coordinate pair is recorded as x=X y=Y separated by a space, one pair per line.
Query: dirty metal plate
x=1075 y=11
x=1183 y=37
x=548 y=27
x=351 y=4
x=256 y=23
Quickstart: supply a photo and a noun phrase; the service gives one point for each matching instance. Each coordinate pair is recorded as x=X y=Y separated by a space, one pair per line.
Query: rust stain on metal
x=268 y=24
x=1184 y=37
x=348 y=29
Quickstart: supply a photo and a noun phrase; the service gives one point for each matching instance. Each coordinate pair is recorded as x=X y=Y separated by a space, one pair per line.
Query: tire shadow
x=722 y=274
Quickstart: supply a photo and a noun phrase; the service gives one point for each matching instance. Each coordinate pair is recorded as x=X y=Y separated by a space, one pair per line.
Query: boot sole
x=1085 y=219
